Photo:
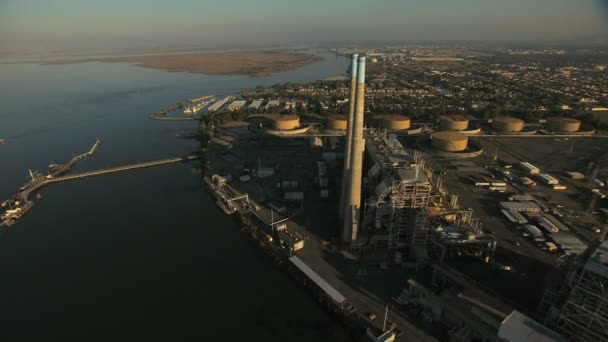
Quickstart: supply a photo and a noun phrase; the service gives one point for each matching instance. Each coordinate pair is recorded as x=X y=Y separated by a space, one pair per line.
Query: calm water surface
x=138 y=255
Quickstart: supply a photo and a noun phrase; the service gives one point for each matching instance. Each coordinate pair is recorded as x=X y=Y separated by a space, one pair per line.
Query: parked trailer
x=514 y=216
x=547 y=225
x=551 y=247
x=531 y=169
x=532 y=230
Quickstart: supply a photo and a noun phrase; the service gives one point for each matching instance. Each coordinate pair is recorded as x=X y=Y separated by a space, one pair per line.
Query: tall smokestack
x=349 y=135
x=353 y=205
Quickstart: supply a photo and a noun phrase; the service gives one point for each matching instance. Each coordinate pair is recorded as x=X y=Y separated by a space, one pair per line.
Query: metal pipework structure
x=349 y=136
x=353 y=203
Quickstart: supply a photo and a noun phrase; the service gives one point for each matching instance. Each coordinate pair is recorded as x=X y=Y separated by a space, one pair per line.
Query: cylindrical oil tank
x=450 y=141
x=286 y=122
x=557 y=124
x=508 y=124
x=453 y=122
x=337 y=122
x=396 y=122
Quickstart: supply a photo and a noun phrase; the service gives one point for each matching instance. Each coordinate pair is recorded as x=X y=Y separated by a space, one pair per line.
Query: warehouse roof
x=519 y=327
x=598 y=262
x=519 y=206
x=569 y=243
x=328 y=289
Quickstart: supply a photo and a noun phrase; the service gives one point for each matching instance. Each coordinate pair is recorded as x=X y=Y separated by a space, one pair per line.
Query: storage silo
x=559 y=124
x=286 y=122
x=508 y=124
x=453 y=122
x=449 y=141
x=396 y=122
x=337 y=122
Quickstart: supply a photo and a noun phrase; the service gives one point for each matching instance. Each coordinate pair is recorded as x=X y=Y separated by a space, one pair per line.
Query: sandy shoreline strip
x=251 y=63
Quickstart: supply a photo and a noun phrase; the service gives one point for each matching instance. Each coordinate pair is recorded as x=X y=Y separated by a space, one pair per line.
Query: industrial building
x=292 y=242
x=354 y=155
x=470 y=313
x=577 y=305
x=508 y=124
x=453 y=123
x=399 y=191
x=336 y=297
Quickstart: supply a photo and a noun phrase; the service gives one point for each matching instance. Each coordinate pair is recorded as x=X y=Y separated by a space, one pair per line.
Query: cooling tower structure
x=286 y=122
x=396 y=122
x=566 y=125
x=450 y=141
x=508 y=124
x=337 y=123
x=352 y=203
x=453 y=123
x=349 y=135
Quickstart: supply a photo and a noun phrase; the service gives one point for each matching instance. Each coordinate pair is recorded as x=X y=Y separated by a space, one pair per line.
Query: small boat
x=2 y=141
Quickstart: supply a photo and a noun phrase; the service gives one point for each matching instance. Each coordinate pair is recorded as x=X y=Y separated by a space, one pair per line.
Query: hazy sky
x=218 y=23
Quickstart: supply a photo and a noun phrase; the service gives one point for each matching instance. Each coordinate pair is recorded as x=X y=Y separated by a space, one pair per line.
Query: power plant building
x=354 y=145
x=399 y=193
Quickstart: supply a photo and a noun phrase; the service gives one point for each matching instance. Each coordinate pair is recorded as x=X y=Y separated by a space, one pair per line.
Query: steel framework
x=578 y=309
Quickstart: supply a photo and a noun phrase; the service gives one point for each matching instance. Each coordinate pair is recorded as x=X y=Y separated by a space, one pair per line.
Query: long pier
x=42 y=181
x=27 y=192
x=120 y=169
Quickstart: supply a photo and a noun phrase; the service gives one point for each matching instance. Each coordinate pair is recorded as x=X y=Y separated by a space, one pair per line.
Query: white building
x=219 y=104
x=236 y=105
x=255 y=104
x=529 y=168
x=272 y=104
x=290 y=105
x=548 y=179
